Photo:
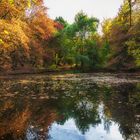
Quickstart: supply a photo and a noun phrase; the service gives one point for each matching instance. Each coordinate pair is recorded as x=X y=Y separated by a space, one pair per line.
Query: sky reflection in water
x=69 y=131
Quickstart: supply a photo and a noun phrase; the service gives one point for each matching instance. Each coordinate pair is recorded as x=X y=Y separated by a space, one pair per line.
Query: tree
x=117 y=36
x=123 y=38
x=61 y=21
x=134 y=33
x=24 y=33
x=86 y=28
x=131 y=4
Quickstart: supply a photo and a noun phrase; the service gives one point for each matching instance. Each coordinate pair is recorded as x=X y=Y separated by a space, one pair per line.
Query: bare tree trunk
x=130 y=10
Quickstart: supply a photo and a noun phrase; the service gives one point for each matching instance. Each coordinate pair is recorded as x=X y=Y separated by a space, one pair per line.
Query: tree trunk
x=130 y=11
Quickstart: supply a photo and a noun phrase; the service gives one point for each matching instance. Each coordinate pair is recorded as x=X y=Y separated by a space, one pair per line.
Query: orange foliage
x=42 y=26
x=24 y=31
x=58 y=26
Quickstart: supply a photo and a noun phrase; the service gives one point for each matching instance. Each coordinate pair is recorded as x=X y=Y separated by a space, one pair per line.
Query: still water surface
x=70 y=107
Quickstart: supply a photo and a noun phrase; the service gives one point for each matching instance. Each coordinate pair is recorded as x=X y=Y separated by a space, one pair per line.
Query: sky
x=100 y=9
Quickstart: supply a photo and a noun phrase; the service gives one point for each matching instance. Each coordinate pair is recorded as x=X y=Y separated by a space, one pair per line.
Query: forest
x=30 y=39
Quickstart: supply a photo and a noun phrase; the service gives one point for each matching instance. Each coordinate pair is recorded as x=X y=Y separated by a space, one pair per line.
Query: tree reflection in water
x=29 y=107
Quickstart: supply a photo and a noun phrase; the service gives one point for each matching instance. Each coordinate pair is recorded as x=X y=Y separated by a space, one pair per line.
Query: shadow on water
x=72 y=107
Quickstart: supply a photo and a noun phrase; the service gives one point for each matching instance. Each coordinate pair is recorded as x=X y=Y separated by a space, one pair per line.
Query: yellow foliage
x=11 y=1
x=6 y=32
x=29 y=3
x=1 y=41
x=13 y=35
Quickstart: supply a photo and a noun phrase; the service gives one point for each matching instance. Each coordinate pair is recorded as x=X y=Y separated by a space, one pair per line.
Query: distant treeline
x=30 y=39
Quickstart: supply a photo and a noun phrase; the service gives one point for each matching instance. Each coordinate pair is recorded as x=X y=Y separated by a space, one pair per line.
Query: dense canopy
x=29 y=39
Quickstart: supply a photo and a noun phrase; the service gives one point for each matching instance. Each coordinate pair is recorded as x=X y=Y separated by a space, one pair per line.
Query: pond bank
x=48 y=71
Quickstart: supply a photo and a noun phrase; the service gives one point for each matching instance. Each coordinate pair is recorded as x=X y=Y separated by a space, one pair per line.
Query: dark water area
x=70 y=107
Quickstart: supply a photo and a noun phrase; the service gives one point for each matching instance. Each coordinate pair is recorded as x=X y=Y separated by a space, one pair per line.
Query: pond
x=70 y=107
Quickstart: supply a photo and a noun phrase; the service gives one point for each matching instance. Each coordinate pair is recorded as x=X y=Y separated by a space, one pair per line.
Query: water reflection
x=69 y=107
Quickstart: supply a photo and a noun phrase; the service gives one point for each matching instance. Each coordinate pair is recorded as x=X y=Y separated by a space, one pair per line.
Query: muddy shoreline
x=47 y=71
